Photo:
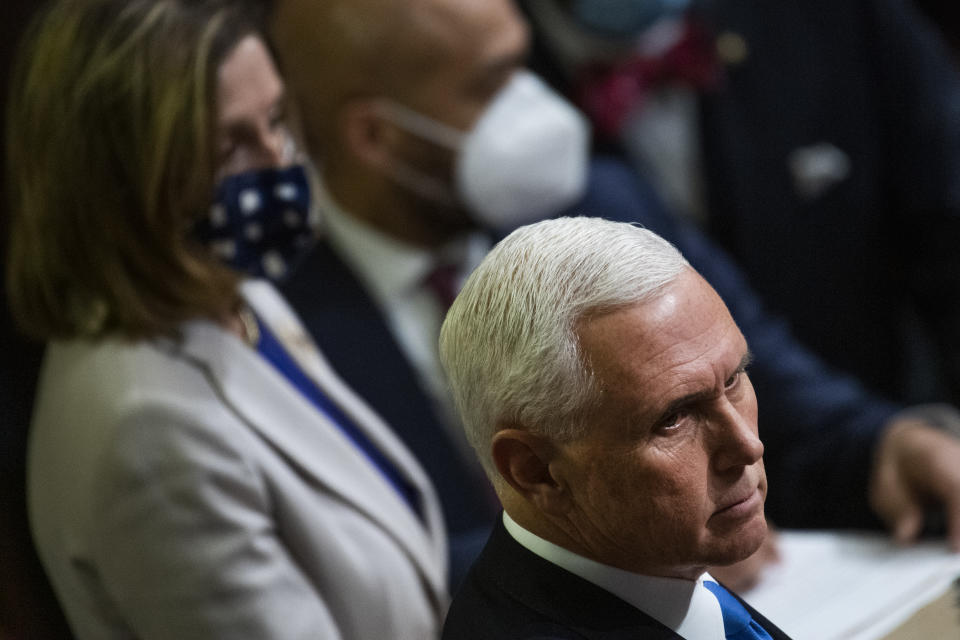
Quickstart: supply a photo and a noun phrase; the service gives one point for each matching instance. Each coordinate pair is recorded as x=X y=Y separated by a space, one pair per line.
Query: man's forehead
x=683 y=328
x=458 y=25
x=674 y=378
x=456 y=14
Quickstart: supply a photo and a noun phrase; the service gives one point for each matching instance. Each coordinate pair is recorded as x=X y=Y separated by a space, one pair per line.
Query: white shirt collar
x=394 y=275
x=688 y=608
x=388 y=268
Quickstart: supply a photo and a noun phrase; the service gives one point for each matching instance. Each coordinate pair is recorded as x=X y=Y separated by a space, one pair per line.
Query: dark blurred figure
x=28 y=608
x=818 y=141
x=946 y=15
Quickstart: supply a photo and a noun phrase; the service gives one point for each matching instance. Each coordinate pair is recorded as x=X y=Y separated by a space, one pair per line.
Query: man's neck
x=557 y=533
x=394 y=212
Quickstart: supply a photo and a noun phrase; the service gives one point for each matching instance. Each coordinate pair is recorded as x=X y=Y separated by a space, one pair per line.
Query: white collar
x=686 y=607
x=388 y=268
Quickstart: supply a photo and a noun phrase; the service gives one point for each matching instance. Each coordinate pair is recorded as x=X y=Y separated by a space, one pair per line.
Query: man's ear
x=366 y=135
x=526 y=462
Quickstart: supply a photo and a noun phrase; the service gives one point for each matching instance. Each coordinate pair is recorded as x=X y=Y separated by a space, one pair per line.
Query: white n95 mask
x=525 y=158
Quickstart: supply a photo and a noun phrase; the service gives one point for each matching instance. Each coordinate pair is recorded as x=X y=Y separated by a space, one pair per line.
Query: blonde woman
x=195 y=469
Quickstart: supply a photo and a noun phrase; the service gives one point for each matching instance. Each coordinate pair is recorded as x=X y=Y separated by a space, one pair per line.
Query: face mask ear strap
x=419 y=124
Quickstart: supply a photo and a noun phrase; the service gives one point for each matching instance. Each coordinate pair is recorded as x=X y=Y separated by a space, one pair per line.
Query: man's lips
x=743 y=504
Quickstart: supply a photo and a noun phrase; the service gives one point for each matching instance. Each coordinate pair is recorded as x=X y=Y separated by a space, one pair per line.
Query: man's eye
x=671 y=421
x=734 y=379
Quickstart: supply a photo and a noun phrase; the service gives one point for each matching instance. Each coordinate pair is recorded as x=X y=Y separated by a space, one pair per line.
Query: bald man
x=386 y=89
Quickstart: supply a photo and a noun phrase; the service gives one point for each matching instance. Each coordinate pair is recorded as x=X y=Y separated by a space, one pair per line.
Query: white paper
x=850 y=586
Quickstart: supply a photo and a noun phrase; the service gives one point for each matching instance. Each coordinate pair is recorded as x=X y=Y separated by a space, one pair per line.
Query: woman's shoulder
x=128 y=409
x=114 y=370
x=89 y=389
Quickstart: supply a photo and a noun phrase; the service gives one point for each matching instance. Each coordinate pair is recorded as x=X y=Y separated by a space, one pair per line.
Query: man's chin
x=743 y=574
x=740 y=544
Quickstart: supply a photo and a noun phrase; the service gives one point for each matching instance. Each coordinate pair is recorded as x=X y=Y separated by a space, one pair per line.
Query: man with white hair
x=430 y=138
x=602 y=383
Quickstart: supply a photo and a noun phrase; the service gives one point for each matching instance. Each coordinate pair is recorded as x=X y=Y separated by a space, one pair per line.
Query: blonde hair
x=110 y=133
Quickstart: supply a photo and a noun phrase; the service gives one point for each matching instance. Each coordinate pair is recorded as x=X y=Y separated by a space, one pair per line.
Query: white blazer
x=187 y=490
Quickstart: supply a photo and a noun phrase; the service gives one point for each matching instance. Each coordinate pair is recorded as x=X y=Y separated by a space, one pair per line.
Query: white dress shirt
x=686 y=607
x=394 y=274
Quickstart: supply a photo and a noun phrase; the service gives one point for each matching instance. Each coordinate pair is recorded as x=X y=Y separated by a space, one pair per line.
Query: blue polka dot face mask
x=260 y=221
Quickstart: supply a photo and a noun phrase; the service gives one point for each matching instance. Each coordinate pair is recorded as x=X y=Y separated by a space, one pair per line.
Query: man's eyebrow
x=696 y=396
x=683 y=401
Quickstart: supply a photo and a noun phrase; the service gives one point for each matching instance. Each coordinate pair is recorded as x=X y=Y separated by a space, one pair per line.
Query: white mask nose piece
x=525 y=158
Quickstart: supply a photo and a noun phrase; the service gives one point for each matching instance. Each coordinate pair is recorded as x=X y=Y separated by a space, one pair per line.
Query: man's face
x=463 y=53
x=669 y=478
x=445 y=59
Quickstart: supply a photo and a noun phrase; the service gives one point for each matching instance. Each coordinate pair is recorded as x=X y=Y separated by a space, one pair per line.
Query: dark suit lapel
x=353 y=335
x=550 y=602
x=763 y=116
x=348 y=327
x=558 y=599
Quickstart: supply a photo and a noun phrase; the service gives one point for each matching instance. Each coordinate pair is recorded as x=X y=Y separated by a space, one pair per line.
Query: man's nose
x=734 y=437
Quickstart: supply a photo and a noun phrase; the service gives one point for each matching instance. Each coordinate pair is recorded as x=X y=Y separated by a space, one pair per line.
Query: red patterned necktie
x=609 y=92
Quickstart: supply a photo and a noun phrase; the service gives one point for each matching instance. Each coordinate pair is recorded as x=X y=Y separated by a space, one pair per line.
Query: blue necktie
x=737 y=623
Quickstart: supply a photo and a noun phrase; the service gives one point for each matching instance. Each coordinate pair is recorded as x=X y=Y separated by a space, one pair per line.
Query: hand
x=915 y=466
x=745 y=574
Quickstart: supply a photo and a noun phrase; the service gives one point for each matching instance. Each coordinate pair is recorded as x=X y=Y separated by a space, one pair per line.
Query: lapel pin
x=732 y=49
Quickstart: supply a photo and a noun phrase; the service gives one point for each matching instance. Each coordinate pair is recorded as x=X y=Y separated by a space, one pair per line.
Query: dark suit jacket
x=513 y=594
x=868 y=271
x=354 y=336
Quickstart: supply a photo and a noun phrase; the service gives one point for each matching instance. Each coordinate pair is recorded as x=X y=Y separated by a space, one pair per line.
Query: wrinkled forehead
x=683 y=329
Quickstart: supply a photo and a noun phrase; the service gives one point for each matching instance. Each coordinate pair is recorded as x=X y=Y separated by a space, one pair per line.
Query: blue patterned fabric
x=270 y=348
x=260 y=222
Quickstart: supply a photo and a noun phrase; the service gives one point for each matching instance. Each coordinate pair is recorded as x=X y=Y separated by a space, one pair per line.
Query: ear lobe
x=526 y=462
x=367 y=136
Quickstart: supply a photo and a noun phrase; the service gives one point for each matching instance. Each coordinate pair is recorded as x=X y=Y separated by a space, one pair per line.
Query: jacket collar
x=263 y=399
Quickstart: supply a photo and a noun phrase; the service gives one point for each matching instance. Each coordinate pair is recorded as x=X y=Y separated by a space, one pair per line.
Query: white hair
x=509 y=343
